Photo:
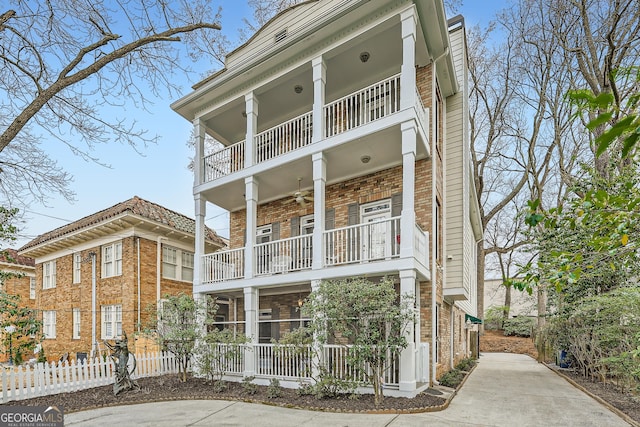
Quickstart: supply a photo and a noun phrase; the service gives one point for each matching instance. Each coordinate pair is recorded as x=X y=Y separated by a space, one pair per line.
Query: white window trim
x=115 y=263
x=76 y=326
x=77 y=267
x=32 y=288
x=49 y=274
x=179 y=264
x=49 y=324
x=111 y=314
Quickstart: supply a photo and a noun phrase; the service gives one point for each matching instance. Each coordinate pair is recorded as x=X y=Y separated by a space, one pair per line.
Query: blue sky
x=160 y=175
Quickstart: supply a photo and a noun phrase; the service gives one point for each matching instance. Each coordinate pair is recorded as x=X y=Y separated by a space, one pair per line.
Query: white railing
x=421 y=246
x=423 y=113
x=283 y=138
x=43 y=379
x=283 y=361
x=336 y=359
x=230 y=358
x=371 y=103
x=281 y=256
x=363 y=242
x=223 y=265
x=224 y=162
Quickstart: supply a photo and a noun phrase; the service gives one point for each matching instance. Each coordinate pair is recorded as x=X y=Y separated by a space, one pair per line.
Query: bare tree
x=63 y=62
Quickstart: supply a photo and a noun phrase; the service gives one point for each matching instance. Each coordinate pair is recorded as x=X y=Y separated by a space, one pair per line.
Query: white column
x=318 y=358
x=250 y=328
x=198 y=163
x=251 y=109
x=408 y=355
x=319 y=82
x=408 y=67
x=319 y=185
x=408 y=219
x=251 y=197
x=201 y=212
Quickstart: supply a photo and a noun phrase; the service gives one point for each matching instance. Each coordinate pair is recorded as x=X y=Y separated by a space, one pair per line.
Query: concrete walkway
x=503 y=390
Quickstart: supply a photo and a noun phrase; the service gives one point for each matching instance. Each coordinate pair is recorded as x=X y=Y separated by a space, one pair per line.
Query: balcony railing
x=223 y=265
x=281 y=256
x=224 y=162
x=371 y=103
x=423 y=115
x=363 y=242
x=281 y=139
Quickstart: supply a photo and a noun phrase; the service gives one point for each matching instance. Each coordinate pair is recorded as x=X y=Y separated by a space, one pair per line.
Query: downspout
x=158 y=270
x=93 y=304
x=138 y=278
x=434 y=193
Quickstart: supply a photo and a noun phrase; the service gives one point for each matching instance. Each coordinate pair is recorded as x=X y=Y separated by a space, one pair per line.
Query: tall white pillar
x=408 y=20
x=408 y=219
x=251 y=296
x=319 y=185
x=198 y=163
x=251 y=110
x=319 y=82
x=408 y=355
x=201 y=212
x=251 y=197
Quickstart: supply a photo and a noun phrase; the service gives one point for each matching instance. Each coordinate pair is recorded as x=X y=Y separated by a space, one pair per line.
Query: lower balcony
x=356 y=244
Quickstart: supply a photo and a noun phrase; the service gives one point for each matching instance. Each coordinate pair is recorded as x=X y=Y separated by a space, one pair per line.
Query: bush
x=452 y=379
x=494 y=317
x=274 y=390
x=248 y=386
x=466 y=364
x=520 y=326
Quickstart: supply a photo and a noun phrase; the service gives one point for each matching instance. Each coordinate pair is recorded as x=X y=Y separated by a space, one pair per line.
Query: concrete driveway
x=503 y=390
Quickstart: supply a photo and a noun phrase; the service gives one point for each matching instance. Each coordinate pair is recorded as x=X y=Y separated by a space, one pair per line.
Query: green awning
x=472 y=319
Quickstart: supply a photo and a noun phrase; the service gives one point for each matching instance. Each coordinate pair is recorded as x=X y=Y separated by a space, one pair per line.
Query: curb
x=606 y=404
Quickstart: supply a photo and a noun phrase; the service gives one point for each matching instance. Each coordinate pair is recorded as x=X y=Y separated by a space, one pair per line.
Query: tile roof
x=16 y=259
x=135 y=206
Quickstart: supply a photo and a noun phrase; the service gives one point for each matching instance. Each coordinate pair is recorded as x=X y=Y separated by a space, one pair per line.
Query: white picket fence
x=42 y=379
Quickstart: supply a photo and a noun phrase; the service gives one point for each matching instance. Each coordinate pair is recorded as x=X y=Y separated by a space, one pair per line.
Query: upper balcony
x=372 y=103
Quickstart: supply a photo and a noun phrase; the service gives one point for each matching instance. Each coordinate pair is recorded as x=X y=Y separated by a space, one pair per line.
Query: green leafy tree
x=218 y=352
x=180 y=324
x=369 y=319
x=21 y=330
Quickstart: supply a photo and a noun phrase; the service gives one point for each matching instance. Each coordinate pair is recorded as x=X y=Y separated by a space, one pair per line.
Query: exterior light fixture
x=244 y=114
x=298 y=89
x=365 y=159
x=364 y=56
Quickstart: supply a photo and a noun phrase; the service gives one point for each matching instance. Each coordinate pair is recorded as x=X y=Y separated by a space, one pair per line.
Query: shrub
x=219 y=386
x=466 y=364
x=452 y=379
x=494 y=317
x=248 y=386
x=274 y=390
x=520 y=326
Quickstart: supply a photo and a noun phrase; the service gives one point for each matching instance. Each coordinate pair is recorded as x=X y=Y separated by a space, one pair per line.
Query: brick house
x=21 y=281
x=345 y=152
x=103 y=274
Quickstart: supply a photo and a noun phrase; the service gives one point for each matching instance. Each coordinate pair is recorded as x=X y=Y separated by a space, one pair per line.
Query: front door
x=376 y=230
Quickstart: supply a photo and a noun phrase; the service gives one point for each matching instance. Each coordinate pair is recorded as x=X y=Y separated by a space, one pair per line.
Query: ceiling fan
x=301 y=197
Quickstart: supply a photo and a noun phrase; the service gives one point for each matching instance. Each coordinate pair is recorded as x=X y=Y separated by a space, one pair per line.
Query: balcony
x=357 y=244
x=357 y=109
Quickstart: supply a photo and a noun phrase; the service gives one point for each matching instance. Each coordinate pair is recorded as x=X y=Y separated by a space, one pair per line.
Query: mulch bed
x=168 y=387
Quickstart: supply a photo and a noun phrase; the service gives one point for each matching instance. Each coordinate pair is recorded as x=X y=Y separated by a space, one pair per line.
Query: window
x=76 y=323
x=32 y=288
x=177 y=264
x=49 y=275
x=49 y=324
x=112 y=260
x=438 y=231
x=111 y=321
x=77 y=262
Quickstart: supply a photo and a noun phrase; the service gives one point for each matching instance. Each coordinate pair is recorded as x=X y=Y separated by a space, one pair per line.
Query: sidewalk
x=503 y=390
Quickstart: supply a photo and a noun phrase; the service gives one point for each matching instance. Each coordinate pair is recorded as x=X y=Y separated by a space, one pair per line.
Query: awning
x=472 y=319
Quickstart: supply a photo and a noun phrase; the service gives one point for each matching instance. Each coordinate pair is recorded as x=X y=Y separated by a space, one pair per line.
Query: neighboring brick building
x=104 y=273
x=346 y=153
x=21 y=280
